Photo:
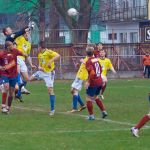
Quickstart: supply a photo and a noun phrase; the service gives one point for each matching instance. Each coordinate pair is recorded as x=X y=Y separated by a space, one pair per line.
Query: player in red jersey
x=8 y=72
x=141 y=123
x=94 y=83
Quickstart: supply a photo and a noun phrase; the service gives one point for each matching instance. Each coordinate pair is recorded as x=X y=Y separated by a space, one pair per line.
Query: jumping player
x=46 y=71
x=11 y=36
x=24 y=46
x=93 y=84
x=106 y=65
x=9 y=73
x=76 y=86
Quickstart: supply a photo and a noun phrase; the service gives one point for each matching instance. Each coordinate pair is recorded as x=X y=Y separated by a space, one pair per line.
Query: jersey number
x=97 y=67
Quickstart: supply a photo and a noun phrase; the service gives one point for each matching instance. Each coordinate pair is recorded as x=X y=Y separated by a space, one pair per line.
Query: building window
x=123 y=37
x=112 y=36
x=136 y=3
x=133 y=37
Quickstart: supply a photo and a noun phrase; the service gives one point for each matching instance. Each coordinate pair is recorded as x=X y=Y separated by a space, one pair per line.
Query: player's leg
x=12 y=84
x=104 y=79
x=19 y=83
x=25 y=77
x=100 y=103
x=49 y=80
x=148 y=71
x=140 y=124
x=23 y=70
x=5 y=89
x=82 y=105
x=90 y=92
x=75 y=88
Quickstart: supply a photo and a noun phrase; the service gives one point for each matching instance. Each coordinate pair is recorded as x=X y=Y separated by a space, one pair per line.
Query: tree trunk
x=42 y=19
x=54 y=25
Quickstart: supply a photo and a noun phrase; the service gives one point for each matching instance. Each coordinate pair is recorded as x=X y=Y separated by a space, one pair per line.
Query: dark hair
x=4 y=30
x=42 y=44
x=98 y=43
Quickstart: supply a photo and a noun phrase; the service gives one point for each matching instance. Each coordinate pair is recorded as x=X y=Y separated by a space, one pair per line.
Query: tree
x=79 y=25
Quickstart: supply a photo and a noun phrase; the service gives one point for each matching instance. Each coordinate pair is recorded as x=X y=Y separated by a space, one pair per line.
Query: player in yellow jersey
x=24 y=46
x=106 y=65
x=76 y=86
x=46 y=71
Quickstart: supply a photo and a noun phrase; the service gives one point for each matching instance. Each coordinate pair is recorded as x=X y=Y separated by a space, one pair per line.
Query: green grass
x=29 y=127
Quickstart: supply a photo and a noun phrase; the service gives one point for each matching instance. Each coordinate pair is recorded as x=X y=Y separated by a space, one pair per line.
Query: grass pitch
x=29 y=127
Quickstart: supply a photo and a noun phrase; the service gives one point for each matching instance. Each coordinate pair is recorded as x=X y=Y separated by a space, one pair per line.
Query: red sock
x=145 y=119
x=90 y=107
x=10 y=98
x=4 y=97
x=103 y=89
x=100 y=104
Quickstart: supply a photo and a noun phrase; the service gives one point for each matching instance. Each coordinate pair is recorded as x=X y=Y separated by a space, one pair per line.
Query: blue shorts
x=12 y=81
x=93 y=91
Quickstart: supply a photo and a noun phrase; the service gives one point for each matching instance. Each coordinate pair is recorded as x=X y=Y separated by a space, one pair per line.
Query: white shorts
x=104 y=78
x=23 y=66
x=47 y=77
x=77 y=84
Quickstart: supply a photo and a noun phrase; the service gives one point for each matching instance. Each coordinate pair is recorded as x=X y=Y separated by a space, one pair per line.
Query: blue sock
x=80 y=100
x=52 y=102
x=19 y=83
x=75 y=101
x=24 y=82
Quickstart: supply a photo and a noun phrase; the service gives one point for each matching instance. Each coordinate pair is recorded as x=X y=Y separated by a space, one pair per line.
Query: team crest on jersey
x=25 y=47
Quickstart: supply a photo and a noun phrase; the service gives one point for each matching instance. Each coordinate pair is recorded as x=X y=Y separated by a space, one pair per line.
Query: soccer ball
x=72 y=12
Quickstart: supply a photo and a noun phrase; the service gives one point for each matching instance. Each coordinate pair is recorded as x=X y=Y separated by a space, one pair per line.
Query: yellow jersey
x=106 y=65
x=82 y=72
x=23 y=45
x=44 y=59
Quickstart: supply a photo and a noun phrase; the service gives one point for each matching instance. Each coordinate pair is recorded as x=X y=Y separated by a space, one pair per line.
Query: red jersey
x=9 y=59
x=94 y=70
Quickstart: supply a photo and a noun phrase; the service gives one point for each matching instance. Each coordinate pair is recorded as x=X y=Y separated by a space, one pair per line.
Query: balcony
x=125 y=14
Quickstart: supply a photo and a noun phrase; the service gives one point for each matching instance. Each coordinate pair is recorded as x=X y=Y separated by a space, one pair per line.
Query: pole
x=148 y=9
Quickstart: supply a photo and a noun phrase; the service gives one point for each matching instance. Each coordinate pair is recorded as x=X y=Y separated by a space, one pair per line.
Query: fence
x=66 y=67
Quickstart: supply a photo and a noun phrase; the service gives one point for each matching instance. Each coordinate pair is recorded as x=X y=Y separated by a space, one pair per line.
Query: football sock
x=100 y=104
x=52 y=102
x=80 y=100
x=4 y=97
x=145 y=119
x=24 y=82
x=103 y=89
x=10 y=98
x=20 y=84
x=75 y=101
x=90 y=107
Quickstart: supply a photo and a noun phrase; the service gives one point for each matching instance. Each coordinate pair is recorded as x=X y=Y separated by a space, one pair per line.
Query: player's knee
x=51 y=91
x=74 y=92
x=148 y=115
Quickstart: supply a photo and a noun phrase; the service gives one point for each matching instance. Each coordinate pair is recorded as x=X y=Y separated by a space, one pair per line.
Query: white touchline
x=73 y=114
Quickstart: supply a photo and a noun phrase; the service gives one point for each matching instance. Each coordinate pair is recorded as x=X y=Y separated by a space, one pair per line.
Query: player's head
x=41 y=46
x=89 y=51
x=99 y=45
x=26 y=35
x=9 y=45
x=102 y=53
x=7 y=31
